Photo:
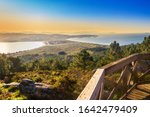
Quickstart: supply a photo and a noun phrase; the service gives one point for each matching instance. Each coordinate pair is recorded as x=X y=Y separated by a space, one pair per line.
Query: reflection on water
x=11 y=47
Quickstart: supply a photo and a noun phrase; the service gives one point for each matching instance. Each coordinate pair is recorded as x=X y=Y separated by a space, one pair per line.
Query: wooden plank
x=137 y=94
x=134 y=97
x=141 y=92
x=144 y=87
x=93 y=88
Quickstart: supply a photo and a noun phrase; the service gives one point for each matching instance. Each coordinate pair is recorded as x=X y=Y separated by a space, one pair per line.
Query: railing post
x=101 y=93
x=127 y=79
x=134 y=72
x=94 y=88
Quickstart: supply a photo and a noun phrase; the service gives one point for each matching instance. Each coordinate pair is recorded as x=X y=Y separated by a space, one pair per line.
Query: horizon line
x=68 y=33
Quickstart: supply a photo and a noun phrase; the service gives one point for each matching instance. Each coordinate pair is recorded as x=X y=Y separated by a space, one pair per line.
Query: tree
x=131 y=49
x=83 y=60
x=36 y=65
x=115 y=51
x=5 y=66
x=146 y=45
x=16 y=64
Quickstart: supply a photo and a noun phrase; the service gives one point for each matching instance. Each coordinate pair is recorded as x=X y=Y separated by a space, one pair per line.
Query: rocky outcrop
x=32 y=89
x=27 y=86
x=13 y=84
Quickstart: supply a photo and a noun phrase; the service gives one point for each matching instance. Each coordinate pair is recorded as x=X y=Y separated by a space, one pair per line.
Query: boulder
x=43 y=91
x=27 y=86
x=32 y=90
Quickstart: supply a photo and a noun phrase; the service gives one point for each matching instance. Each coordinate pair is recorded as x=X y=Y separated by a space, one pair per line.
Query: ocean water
x=122 y=39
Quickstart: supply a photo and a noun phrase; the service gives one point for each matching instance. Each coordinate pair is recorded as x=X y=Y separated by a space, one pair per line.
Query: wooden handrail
x=94 y=88
x=117 y=65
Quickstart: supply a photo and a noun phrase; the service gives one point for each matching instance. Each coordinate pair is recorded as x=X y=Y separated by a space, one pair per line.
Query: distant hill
x=15 y=37
x=55 y=44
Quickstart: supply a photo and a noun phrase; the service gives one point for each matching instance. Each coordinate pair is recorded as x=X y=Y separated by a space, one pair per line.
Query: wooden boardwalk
x=131 y=82
x=140 y=92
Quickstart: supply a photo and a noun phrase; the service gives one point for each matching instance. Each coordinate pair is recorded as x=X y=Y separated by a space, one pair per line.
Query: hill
x=67 y=47
x=22 y=37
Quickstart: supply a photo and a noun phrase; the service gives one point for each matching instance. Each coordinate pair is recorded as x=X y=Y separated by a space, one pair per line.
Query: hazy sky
x=75 y=16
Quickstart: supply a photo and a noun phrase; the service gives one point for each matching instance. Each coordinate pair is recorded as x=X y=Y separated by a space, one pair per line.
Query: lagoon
x=12 y=47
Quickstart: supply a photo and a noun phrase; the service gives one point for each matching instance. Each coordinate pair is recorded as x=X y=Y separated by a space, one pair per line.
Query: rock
x=42 y=85
x=27 y=86
x=15 y=84
x=32 y=90
x=43 y=91
x=27 y=82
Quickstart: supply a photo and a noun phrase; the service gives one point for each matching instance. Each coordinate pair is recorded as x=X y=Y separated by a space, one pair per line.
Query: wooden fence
x=128 y=79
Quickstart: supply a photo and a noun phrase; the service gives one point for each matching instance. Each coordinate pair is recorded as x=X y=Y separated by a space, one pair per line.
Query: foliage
x=5 y=66
x=83 y=60
x=146 y=45
x=115 y=51
x=67 y=84
x=11 y=93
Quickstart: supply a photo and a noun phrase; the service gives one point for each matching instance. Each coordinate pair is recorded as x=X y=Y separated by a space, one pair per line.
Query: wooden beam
x=117 y=65
x=144 y=74
x=134 y=72
x=93 y=89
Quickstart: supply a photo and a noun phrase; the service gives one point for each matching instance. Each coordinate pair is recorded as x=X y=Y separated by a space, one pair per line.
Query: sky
x=75 y=16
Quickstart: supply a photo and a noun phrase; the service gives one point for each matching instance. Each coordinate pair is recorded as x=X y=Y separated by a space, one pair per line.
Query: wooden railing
x=129 y=68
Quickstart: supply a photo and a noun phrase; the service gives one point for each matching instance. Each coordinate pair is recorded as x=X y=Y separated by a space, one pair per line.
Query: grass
x=10 y=93
x=64 y=84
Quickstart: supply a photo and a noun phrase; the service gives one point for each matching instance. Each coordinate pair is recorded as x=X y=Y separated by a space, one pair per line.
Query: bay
x=122 y=39
x=12 y=47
